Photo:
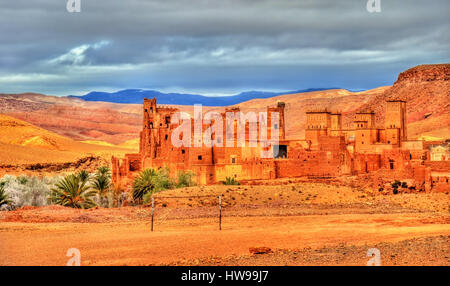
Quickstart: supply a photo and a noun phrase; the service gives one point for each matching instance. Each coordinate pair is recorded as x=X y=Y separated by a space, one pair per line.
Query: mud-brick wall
x=440 y=175
x=421 y=173
x=261 y=169
x=384 y=176
x=400 y=158
x=364 y=163
x=438 y=165
x=200 y=155
x=223 y=171
x=318 y=164
x=332 y=143
x=204 y=174
x=441 y=187
x=247 y=170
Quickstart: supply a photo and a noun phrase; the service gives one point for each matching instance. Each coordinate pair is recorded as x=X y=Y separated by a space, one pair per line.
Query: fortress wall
x=331 y=143
x=247 y=170
x=438 y=165
x=204 y=174
x=309 y=163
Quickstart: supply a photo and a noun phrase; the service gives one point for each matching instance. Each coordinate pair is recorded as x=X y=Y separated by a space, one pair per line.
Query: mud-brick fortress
x=382 y=154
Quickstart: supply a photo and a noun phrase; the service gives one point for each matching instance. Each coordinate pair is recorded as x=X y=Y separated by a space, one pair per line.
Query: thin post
x=153 y=209
x=220 y=212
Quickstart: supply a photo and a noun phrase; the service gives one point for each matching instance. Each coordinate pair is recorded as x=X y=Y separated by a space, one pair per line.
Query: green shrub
x=23 y=180
x=163 y=180
x=185 y=179
x=396 y=184
x=230 y=181
x=27 y=191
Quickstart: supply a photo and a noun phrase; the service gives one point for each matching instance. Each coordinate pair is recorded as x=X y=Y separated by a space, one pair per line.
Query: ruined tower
x=155 y=136
x=281 y=124
x=395 y=121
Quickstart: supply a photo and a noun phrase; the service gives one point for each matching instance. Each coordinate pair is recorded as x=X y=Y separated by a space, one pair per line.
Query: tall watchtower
x=336 y=124
x=395 y=121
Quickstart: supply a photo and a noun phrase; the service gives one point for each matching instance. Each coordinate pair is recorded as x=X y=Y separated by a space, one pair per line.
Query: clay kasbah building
x=253 y=147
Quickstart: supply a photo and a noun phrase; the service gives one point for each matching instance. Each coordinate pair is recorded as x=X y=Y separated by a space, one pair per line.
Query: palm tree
x=102 y=183
x=104 y=171
x=144 y=183
x=4 y=199
x=73 y=191
x=84 y=176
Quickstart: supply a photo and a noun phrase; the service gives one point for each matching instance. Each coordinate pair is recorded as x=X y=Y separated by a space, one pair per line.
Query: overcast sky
x=215 y=46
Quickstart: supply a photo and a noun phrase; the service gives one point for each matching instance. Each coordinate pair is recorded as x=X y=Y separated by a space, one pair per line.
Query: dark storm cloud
x=216 y=45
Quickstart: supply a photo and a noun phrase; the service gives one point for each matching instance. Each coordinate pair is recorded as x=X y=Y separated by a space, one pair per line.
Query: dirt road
x=132 y=243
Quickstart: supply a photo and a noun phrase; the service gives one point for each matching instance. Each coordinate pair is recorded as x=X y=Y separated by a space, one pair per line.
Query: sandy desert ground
x=302 y=223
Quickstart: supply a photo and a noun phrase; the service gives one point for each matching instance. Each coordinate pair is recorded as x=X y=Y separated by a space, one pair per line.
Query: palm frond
x=4 y=198
x=73 y=191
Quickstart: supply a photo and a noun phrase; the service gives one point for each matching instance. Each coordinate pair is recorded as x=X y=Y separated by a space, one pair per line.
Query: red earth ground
x=303 y=223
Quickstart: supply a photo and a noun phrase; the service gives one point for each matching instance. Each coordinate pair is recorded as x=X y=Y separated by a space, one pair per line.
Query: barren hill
x=24 y=143
x=75 y=118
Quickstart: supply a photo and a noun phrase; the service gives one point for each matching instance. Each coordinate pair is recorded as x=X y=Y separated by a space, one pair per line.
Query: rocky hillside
x=426 y=89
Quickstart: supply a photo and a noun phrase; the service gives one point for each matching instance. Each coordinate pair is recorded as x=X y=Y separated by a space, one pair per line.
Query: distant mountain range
x=138 y=95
